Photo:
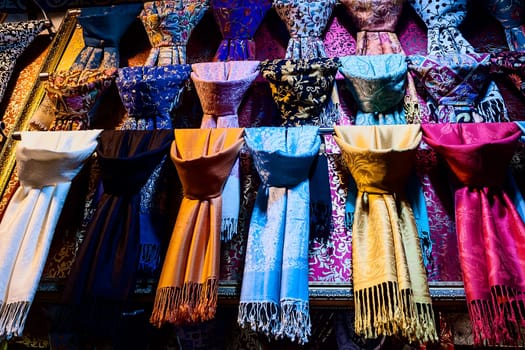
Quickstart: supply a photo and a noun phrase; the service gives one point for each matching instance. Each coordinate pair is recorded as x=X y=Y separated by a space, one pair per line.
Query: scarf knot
x=279 y=170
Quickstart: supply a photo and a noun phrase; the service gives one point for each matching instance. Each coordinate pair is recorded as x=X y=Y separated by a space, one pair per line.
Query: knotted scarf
x=169 y=25
x=107 y=260
x=512 y=65
x=491 y=235
x=390 y=286
x=150 y=93
x=378 y=86
x=221 y=87
x=301 y=89
x=238 y=21
x=14 y=39
x=47 y=163
x=510 y=14
x=274 y=293
x=188 y=285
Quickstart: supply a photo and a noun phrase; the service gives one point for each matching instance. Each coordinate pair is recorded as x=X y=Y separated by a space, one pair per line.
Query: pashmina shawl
x=188 y=284
x=238 y=21
x=14 y=39
x=106 y=265
x=301 y=89
x=47 y=163
x=491 y=234
x=221 y=87
x=510 y=14
x=150 y=93
x=378 y=86
x=169 y=25
x=391 y=291
x=274 y=292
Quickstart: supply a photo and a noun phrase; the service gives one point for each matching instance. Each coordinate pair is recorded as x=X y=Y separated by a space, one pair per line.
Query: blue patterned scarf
x=274 y=294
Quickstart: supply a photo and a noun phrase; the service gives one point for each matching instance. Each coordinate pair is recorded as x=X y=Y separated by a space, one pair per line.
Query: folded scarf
x=47 y=163
x=274 y=293
x=511 y=64
x=188 y=285
x=510 y=14
x=391 y=291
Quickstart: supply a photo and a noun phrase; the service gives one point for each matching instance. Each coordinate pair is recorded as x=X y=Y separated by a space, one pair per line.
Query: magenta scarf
x=491 y=234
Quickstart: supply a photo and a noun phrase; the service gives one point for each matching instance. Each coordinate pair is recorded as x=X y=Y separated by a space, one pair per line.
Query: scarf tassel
x=149 y=257
x=228 y=229
x=193 y=303
x=295 y=320
x=13 y=318
x=261 y=317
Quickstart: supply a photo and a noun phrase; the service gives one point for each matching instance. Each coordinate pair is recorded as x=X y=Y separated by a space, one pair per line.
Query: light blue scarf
x=274 y=294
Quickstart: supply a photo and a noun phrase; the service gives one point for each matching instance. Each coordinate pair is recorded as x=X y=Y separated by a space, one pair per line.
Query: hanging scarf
x=274 y=293
x=107 y=261
x=221 y=88
x=188 y=285
x=391 y=294
x=47 y=163
x=512 y=65
x=238 y=21
x=149 y=94
x=169 y=25
x=378 y=86
x=510 y=14
x=491 y=235
x=14 y=39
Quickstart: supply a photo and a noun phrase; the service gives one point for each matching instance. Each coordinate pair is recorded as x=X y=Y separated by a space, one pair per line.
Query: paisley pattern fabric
x=274 y=293
x=102 y=29
x=512 y=65
x=238 y=21
x=150 y=93
x=74 y=94
x=301 y=89
x=306 y=21
x=378 y=86
x=510 y=14
x=389 y=277
x=169 y=25
x=491 y=234
x=14 y=39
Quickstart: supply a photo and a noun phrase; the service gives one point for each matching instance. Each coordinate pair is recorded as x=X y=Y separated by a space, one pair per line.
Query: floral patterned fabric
x=238 y=21
x=73 y=95
x=169 y=25
x=512 y=65
x=510 y=14
x=301 y=89
x=150 y=93
x=305 y=20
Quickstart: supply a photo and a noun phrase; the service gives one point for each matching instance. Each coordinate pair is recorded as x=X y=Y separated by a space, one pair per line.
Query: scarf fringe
x=385 y=310
x=193 y=303
x=228 y=229
x=149 y=257
x=13 y=318
x=498 y=321
x=295 y=320
x=261 y=317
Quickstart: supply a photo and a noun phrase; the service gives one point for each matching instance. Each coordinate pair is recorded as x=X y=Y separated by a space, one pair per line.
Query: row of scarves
x=389 y=280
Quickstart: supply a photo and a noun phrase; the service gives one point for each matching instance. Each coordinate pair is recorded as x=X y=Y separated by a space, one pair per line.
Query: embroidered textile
x=491 y=234
x=47 y=163
x=188 y=285
x=169 y=25
x=150 y=93
x=391 y=294
x=107 y=260
x=301 y=89
x=510 y=14
x=274 y=293
x=512 y=64
x=238 y=21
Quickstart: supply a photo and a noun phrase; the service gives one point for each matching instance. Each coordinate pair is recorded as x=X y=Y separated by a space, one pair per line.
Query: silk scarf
x=169 y=25
x=188 y=284
x=274 y=292
x=221 y=86
x=46 y=163
x=510 y=14
x=391 y=291
x=150 y=93
x=491 y=234
x=107 y=260
x=238 y=21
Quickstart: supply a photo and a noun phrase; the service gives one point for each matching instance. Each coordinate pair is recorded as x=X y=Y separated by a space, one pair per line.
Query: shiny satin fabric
x=491 y=234
x=389 y=279
x=510 y=14
x=188 y=284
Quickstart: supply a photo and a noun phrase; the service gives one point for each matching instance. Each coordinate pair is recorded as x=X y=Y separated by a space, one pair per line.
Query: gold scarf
x=391 y=292
x=188 y=284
